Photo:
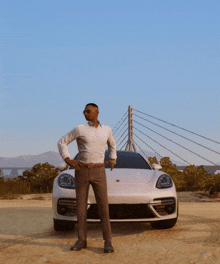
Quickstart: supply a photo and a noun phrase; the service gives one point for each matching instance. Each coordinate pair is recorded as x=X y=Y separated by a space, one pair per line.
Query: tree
x=196 y=178
x=153 y=160
x=171 y=169
x=213 y=184
x=40 y=178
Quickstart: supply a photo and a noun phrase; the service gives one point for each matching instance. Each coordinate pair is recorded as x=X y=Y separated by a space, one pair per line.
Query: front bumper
x=158 y=209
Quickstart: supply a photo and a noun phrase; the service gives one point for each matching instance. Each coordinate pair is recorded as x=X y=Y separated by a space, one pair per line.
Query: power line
x=178 y=127
x=178 y=134
x=119 y=122
x=177 y=144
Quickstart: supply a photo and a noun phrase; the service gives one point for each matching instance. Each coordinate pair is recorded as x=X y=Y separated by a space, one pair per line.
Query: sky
x=161 y=57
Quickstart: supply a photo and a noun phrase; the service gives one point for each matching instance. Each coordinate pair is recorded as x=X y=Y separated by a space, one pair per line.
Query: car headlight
x=164 y=181
x=66 y=181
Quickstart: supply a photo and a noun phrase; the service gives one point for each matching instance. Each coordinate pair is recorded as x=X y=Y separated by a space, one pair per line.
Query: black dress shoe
x=108 y=247
x=79 y=245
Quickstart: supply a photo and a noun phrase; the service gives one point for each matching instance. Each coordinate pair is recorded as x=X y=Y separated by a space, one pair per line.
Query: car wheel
x=62 y=225
x=164 y=224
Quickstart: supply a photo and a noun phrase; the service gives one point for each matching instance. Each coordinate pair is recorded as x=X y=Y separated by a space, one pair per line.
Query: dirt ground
x=27 y=235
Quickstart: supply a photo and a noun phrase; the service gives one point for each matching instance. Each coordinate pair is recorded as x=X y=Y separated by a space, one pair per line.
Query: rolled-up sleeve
x=111 y=145
x=65 y=140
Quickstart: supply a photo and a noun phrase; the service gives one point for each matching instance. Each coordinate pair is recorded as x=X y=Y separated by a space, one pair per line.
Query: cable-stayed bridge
x=137 y=130
x=12 y=172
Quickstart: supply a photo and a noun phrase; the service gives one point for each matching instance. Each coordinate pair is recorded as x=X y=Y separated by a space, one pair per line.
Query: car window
x=127 y=159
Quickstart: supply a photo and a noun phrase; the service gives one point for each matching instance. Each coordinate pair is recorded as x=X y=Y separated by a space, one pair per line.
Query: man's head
x=91 y=112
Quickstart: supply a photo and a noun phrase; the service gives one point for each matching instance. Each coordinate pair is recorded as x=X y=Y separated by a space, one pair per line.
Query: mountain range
x=54 y=158
x=51 y=157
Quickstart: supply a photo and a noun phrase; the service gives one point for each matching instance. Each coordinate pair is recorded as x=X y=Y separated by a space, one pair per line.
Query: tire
x=164 y=224
x=63 y=225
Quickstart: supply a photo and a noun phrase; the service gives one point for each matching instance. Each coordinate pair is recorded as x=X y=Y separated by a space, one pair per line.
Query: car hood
x=126 y=175
x=130 y=185
x=131 y=176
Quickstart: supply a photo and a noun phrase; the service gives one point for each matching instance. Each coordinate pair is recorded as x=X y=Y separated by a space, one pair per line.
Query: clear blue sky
x=162 y=57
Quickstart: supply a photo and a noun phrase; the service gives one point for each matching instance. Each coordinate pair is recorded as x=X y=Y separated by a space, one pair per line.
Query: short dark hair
x=92 y=104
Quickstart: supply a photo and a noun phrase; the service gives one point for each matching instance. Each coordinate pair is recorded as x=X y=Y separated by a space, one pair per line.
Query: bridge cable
x=178 y=127
x=119 y=121
x=143 y=151
x=147 y=145
x=161 y=146
x=175 y=143
x=122 y=141
x=120 y=125
x=123 y=146
x=178 y=134
x=121 y=130
x=122 y=135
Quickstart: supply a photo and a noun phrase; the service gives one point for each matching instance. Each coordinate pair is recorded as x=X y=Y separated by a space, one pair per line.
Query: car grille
x=122 y=211
x=66 y=207
x=166 y=207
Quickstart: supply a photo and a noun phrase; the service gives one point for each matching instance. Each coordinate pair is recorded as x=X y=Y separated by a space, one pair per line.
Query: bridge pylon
x=130 y=146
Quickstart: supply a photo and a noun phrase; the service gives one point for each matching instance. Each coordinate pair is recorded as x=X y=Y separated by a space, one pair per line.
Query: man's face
x=90 y=112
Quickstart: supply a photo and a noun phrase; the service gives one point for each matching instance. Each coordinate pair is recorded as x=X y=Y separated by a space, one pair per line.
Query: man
x=91 y=138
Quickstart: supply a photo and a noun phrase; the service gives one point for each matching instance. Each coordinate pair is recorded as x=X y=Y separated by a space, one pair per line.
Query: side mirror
x=156 y=166
x=63 y=166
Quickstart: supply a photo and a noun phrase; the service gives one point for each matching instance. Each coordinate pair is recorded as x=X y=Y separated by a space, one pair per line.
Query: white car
x=136 y=192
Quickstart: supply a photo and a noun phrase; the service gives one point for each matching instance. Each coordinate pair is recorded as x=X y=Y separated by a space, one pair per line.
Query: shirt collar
x=91 y=124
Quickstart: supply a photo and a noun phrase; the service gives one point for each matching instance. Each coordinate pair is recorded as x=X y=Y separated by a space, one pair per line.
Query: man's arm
x=75 y=163
x=63 y=147
x=112 y=162
x=111 y=150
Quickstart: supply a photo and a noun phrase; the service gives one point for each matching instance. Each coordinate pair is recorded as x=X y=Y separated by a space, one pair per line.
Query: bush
x=37 y=180
x=40 y=178
x=171 y=169
x=192 y=178
x=10 y=189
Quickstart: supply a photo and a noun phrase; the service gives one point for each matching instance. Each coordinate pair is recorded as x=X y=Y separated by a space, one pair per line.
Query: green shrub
x=192 y=178
x=10 y=189
x=37 y=180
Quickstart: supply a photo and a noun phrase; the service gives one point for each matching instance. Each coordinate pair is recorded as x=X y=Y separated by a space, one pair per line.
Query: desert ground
x=27 y=235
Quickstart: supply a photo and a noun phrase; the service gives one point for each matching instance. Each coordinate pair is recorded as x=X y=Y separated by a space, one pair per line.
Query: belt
x=93 y=165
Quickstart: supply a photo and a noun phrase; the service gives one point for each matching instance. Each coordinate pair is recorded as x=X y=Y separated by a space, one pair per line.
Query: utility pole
x=130 y=142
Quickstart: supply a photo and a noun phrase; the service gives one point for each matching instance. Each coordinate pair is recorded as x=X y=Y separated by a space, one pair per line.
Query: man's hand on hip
x=111 y=162
x=75 y=163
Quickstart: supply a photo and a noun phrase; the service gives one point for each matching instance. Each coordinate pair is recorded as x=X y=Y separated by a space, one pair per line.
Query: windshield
x=127 y=159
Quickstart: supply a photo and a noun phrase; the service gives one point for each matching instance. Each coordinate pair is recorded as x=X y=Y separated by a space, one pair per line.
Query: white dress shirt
x=91 y=142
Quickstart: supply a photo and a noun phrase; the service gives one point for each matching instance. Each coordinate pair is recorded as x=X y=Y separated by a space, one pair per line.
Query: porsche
x=137 y=192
